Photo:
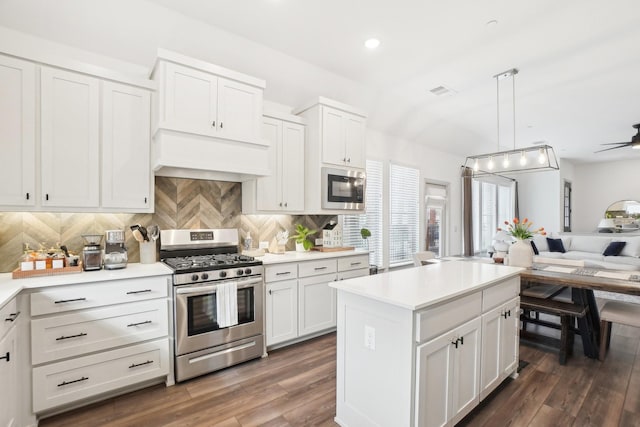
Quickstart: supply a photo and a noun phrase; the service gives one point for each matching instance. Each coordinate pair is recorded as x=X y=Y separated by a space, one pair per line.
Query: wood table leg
x=586 y=324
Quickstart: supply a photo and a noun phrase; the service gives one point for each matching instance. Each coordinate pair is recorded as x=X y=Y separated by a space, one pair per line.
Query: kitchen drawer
x=500 y=293
x=8 y=317
x=344 y=275
x=73 y=380
x=315 y=268
x=57 y=300
x=79 y=333
x=437 y=320
x=353 y=262
x=273 y=273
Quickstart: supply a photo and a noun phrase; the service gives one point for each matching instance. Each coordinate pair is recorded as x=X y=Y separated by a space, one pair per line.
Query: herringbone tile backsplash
x=179 y=203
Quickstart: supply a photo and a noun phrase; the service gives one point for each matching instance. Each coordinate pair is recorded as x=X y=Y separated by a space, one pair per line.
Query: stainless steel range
x=218 y=300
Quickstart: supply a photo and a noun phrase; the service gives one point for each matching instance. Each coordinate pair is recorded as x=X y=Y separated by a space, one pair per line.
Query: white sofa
x=590 y=249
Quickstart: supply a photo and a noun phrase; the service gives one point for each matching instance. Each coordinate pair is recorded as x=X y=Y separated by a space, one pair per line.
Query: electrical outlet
x=264 y=245
x=369 y=337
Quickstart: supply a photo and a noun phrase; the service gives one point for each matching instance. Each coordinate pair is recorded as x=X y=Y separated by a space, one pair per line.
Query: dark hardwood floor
x=295 y=386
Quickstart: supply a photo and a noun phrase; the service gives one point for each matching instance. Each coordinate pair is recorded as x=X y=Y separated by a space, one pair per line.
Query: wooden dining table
x=583 y=281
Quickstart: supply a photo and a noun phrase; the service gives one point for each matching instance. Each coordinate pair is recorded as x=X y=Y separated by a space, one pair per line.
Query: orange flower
x=515 y=220
x=525 y=220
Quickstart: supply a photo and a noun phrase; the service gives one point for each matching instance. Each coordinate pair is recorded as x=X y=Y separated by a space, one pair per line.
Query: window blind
x=404 y=226
x=371 y=219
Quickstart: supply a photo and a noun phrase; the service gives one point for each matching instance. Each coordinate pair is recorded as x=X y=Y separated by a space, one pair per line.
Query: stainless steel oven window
x=202 y=311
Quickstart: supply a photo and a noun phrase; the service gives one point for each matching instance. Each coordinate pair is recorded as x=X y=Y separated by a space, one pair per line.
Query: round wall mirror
x=625 y=213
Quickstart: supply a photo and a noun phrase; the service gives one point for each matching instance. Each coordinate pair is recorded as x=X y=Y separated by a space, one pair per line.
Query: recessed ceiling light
x=372 y=43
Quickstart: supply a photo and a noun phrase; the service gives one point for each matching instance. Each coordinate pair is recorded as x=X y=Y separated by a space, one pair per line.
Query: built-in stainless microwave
x=343 y=189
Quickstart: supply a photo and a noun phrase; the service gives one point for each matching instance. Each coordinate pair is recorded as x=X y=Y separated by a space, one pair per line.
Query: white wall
x=597 y=185
x=539 y=199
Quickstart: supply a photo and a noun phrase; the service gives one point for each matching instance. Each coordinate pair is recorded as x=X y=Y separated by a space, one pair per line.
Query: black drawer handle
x=138 y=292
x=63 y=383
x=284 y=273
x=12 y=317
x=320 y=268
x=139 y=323
x=62 y=301
x=135 y=365
x=7 y=357
x=355 y=263
x=81 y=334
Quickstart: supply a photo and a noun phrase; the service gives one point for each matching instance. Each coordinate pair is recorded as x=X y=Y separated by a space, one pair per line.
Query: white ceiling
x=579 y=62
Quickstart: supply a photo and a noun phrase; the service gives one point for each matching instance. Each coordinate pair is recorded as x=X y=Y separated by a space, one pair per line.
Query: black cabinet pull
x=63 y=383
x=46 y=196
x=81 y=334
x=27 y=196
x=145 y=200
x=509 y=313
x=135 y=365
x=504 y=314
x=270 y=292
x=138 y=292
x=455 y=342
x=461 y=340
x=320 y=268
x=284 y=273
x=213 y=124
x=139 y=323
x=12 y=317
x=355 y=263
x=62 y=301
x=6 y=357
x=221 y=125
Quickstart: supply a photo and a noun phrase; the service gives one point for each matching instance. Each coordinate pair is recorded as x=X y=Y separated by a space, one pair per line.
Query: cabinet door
x=492 y=330
x=268 y=188
x=69 y=139
x=510 y=337
x=333 y=134
x=239 y=110
x=354 y=140
x=9 y=374
x=282 y=311
x=17 y=132
x=292 y=182
x=434 y=370
x=191 y=100
x=466 y=369
x=316 y=304
x=126 y=180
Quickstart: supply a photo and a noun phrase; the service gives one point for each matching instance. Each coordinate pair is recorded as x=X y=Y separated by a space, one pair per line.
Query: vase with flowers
x=521 y=252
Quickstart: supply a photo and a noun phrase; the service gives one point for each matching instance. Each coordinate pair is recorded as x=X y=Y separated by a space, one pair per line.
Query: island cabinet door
x=510 y=337
x=466 y=369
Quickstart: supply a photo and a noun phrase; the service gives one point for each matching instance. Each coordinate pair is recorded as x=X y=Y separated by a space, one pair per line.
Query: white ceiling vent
x=442 y=90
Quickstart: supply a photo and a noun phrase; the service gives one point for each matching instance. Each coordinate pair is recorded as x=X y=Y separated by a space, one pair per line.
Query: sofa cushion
x=582 y=255
x=623 y=262
x=614 y=248
x=555 y=245
x=541 y=243
x=632 y=248
x=595 y=244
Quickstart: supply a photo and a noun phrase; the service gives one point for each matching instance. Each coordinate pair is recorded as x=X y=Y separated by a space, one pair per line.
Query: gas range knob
x=240 y=272
x=205 y=276
x=223 y=274
x=194 y=277
x=247 y=271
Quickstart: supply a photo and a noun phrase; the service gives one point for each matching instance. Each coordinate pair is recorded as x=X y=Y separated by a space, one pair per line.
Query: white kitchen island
x=423 y=346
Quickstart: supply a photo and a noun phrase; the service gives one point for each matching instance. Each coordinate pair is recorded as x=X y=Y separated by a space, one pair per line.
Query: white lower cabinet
x=499 y=345
x=91 y=338
x=447 y=371
x=11 y=386
x=299 y=301
x=316 y=304
x=282 y=311
x=72 y=380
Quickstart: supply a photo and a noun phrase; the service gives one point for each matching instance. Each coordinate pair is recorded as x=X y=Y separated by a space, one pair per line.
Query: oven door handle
x=207 y=289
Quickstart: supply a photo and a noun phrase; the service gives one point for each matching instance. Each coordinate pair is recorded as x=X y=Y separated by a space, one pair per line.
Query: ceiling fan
x=634 y=143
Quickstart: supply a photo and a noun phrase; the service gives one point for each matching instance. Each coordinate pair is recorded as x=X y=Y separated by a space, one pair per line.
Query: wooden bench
x=567 y=311
x=625 y=313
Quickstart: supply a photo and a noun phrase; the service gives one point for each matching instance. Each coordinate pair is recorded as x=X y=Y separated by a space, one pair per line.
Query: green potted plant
x=365 y=233
x=301 y=237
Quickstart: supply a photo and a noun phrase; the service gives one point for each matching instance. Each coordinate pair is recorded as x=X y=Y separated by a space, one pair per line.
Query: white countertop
x=9 y=287
x=419 y=287
x=293 y=256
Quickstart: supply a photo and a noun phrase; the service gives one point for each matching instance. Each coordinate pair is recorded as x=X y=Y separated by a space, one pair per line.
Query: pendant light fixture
x=535 y=158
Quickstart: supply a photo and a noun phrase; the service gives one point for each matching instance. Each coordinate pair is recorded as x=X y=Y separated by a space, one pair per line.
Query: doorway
x=436 y=195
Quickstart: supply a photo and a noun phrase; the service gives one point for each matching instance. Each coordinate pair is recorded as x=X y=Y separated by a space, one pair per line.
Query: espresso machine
x=115 y=253
x=91 y=252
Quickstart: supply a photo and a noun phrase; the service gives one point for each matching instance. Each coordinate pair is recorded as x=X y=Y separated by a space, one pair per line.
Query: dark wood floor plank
x=602 y=407
x=548 y=416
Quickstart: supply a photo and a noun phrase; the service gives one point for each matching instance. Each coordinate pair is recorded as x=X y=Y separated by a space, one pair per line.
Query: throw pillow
x=555 y=245
x=535 y=249
x=614 y=249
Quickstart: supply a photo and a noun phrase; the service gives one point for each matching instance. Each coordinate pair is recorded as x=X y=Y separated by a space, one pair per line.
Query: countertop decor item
x=521 y=252
x=301 y=237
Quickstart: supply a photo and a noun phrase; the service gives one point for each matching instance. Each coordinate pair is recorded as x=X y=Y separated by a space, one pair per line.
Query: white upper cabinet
x=283 y=190
x=70 y=136
x=126 y=171
x=17 y=132
x=200 y=102
x=342 y=138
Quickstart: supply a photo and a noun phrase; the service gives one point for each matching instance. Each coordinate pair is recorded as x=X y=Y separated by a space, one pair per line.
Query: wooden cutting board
x=323 y=249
